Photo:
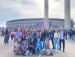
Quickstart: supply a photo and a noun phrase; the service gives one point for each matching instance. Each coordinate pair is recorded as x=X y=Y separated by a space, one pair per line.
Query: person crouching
x=38 y=46
x=17 y=46
x=47 y=47
x=24 y=48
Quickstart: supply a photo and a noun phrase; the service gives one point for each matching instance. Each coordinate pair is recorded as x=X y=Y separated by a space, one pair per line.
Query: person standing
x=35 y=35
x=68 y=34
x=18 y=34
x=12 y=34
x=56 y=40
x=3 y=32
x=73 y=34
x=6 y=40
x=48 y=34
x=26 y=36
x=30 y=34
x=62 y=38
x=51 y=33
x=23 y=31
x=43 y=36
x=39 y=33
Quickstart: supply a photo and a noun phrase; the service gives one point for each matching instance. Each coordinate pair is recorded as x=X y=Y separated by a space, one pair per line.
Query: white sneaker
x=30 y=53
x=39 y=55
x=54 y=50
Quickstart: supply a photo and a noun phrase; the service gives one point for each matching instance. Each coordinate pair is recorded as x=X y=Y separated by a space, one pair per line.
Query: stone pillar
x=67 y=14
x=46 y=20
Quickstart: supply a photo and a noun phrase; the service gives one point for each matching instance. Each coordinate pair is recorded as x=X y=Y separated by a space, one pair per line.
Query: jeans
x=6 y=40
x=56 y=42
x=39 y=49
x=26 y=53
x=48 y=38
x=22 y=39
x=35 y=39
x=73 y=37
x=43 y=41
x=63 y=41
x=68 y=37
x=11 y=37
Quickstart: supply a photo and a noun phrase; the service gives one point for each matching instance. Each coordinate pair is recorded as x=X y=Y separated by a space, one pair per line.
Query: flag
x=50 y=24
x=40 y=24
x=37 y=24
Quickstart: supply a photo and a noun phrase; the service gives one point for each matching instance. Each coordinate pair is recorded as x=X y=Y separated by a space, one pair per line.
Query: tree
x=72 y=23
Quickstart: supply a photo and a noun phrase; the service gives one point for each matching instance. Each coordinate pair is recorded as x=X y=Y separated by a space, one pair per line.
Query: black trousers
x=31 y=49
x=52 y=42
x=70 y=37
x=63 y=42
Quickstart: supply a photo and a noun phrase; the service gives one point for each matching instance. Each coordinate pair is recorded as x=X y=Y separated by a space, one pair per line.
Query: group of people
x=32 y=40
x=71 y=34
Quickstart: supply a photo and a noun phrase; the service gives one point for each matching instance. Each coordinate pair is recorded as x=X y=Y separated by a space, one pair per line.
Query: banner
x=40 y=24
x=50 y=24
x=37 y=24
x=43 y=24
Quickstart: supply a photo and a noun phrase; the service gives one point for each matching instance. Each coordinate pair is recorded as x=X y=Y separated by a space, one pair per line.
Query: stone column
x=67 y=14
x=46 y=20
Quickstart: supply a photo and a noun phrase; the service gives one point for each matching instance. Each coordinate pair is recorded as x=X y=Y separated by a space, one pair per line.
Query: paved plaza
x=7 y=50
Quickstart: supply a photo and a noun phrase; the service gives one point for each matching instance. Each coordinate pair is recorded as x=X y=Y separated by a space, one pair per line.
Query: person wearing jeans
x=35 y=35
x=38 y=46
x=43 y=36
x=56 y=40
x=6 y=40
x=51 y=34
x=73 y=35
x=62 y=38
x=12 y=33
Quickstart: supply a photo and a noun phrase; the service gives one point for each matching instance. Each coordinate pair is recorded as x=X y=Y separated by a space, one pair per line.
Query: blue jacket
x=40 y=43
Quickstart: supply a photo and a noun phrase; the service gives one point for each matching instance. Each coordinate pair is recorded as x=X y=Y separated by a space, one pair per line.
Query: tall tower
x=67 y=14
x=46 y=20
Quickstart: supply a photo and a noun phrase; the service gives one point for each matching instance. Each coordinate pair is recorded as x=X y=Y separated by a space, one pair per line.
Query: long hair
x=57 y=32
x=6 y=31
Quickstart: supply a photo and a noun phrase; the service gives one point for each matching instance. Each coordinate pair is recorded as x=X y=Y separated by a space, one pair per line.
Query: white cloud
x=23 y=9
x=15 y=9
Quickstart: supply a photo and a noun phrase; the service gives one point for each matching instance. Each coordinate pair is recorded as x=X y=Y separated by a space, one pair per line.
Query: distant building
x=34 y=23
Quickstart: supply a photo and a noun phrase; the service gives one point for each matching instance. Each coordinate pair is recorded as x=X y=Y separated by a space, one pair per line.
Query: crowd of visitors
x=31 y=41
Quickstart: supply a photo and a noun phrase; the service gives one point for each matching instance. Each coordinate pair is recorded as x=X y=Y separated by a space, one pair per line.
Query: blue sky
x=19 y=9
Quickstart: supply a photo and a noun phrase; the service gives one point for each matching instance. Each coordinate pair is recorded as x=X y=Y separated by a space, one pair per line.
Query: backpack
x=51 y=52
